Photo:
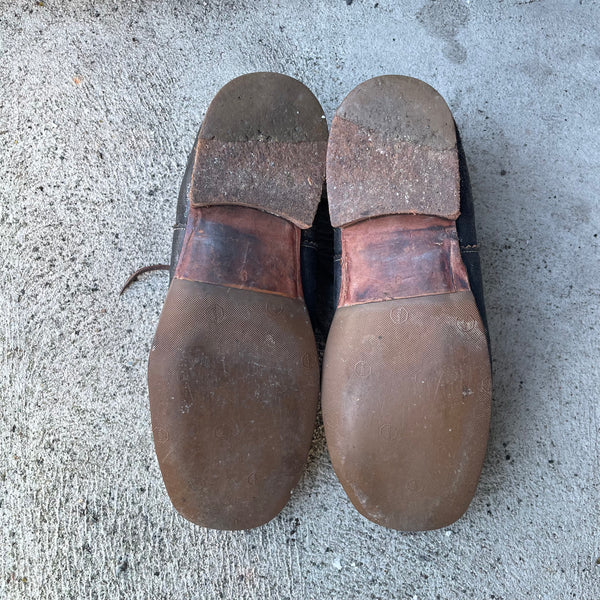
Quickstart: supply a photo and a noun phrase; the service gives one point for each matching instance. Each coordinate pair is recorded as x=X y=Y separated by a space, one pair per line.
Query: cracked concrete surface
x=100 y=102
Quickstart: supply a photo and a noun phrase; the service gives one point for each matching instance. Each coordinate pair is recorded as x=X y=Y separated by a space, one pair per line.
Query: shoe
x=233 y=375
x=406 y=386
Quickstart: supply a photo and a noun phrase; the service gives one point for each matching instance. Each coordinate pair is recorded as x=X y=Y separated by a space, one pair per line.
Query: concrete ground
x=99 y=105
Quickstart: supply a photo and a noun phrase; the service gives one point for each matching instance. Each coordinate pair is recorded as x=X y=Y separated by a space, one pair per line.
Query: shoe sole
x=233 y=373
x=406 y=377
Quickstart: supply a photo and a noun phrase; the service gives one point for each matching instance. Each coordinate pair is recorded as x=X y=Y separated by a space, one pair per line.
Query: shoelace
x=139 y=272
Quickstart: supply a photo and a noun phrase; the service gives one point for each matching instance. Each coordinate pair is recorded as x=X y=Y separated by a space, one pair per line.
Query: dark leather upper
x=467 y=234
x=183 y=209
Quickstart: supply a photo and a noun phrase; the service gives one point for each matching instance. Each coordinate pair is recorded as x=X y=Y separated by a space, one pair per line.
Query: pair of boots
x=234 y=375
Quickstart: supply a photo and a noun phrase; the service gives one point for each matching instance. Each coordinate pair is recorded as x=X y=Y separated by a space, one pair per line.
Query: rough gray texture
x=99 y=105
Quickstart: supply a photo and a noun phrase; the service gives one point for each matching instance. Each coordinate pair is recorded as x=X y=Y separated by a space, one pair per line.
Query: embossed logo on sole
x=387 y=432
x=413 y=486
x=160 y=435
x=465 y=325
x=216 y=313
x=223 y=432
x=399 y=315
x=362 y=369
x=274 y=309
x=270 y=344
x=308 y=361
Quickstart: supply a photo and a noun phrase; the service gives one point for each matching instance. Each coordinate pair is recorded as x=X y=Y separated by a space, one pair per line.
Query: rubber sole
x=233 y=373
x=233 y=384
x=406 y=386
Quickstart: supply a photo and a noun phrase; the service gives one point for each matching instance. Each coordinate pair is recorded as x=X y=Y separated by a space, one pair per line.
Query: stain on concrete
x=444 y=20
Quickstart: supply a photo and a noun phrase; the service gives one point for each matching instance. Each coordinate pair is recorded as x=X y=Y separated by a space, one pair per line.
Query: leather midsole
x=243 y=248
x=400 y=256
